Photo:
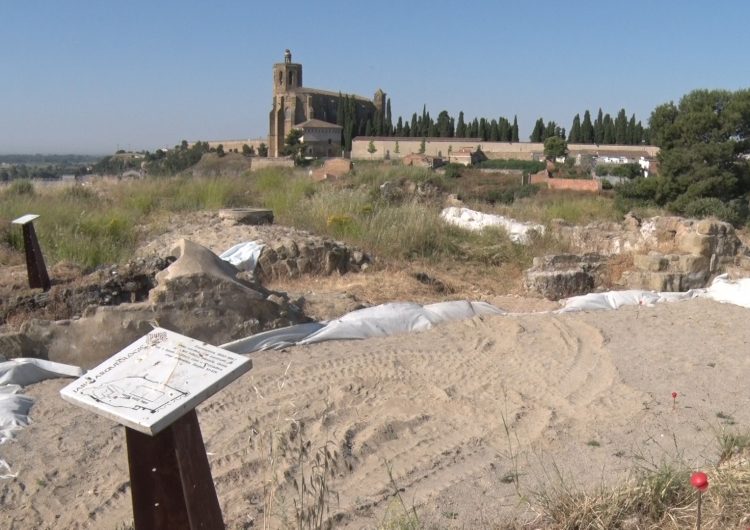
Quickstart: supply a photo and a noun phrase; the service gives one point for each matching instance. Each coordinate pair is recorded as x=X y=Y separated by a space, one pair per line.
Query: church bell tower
x=287 y=75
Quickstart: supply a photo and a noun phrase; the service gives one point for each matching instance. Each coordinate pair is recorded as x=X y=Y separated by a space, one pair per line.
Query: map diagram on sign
x=158 y=378
x=134 y=393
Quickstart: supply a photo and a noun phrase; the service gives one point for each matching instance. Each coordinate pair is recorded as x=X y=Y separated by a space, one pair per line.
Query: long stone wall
x=518 y=150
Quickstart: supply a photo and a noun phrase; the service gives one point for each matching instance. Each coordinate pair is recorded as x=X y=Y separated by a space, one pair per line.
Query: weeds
x=657 y=496
x=398 y=516
x=513 y=476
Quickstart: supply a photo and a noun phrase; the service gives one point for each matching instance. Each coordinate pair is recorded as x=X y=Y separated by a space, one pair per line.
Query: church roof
x=306 y=90
x=320 y=124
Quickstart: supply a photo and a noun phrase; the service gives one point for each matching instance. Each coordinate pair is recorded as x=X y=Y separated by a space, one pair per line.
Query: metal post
x=35 y=267
x=171 y=484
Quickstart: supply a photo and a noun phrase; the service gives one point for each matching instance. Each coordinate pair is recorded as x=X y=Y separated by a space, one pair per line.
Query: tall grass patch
x=572 y=207
x=74 y=225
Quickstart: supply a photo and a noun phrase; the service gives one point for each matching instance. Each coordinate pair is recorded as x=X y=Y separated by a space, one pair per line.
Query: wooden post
x=35 y=267
x=152 y=388
x=171 y=484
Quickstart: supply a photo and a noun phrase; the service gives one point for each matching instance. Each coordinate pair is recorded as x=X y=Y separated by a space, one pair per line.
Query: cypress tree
x=550 y=130
x=494 y=132
x=377 y=126
x=639 y=137
x=503 y=129
x=587 y=130
x=482 y=130
x=608 y=136
x=599 y=128
x=514 y=136
x=474 y=129
x=621 y=127
x=537 y=135
x=461 y=126
x=399 y=127
x=575 y=130
x=443 y=124
x=388 y=118
x=632 y=140
x=413 y=128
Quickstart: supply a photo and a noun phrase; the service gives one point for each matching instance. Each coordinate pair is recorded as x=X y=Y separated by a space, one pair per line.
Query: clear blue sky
x=92 y=76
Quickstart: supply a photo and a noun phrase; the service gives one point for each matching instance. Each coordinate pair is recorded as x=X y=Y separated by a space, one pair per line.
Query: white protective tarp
x=244 y=256
x=722 y=289
x=377 y=321
x=475 y=221
x=17 y=373
x=398 y=317
x=23 y=371
x=273 y=339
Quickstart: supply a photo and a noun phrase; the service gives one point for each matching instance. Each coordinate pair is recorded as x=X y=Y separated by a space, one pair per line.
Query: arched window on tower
x=291 y=79
x=281 y=77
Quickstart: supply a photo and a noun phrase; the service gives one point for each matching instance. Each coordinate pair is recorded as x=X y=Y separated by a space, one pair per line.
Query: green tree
x=262 y=150
x=371 y=148
x=494 y=131
x=575 y=130
x=703 y=144
x=555 y=146
x=220 y=150
x=587 y=130
x=621 y=128
x=461 y=126
x=444 y=124
x=514 y=130
x=608 y=137
x=422 y=146
x=248 y=150
x=396 y=148
x=537 y=135
x=599 y=128
x=632 y=140
x=293 y=144
x=388 y=118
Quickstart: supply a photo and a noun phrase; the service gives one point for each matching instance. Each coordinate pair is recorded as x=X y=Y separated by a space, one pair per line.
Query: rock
x=247 y=216
x=695 y=243
x=565 y=275
x=15 y=344
x=652 y=261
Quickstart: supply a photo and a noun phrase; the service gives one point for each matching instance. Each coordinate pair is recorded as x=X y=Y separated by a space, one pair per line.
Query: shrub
x=508 y=195
x=735 y=211
x=527 y=166
x=452 y=171
x=630 y=171
x=636 y=193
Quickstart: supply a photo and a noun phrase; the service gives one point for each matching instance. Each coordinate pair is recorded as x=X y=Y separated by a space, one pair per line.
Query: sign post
x=35 y=267
x=152 y=387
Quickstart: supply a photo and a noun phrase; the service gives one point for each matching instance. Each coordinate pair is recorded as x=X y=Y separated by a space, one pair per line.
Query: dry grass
x=654 y=498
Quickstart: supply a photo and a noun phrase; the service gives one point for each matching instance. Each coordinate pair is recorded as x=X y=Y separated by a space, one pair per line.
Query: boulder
x=247 y=216
x=565 y=275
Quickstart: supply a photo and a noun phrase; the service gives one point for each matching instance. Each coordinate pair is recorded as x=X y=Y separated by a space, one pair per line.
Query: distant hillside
x=48 y=159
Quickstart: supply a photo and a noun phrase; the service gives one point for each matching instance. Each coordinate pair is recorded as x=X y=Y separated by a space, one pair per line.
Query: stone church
x=311 y=110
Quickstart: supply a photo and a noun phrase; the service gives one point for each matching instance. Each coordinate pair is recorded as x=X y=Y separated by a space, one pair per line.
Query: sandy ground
x=585 y=396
